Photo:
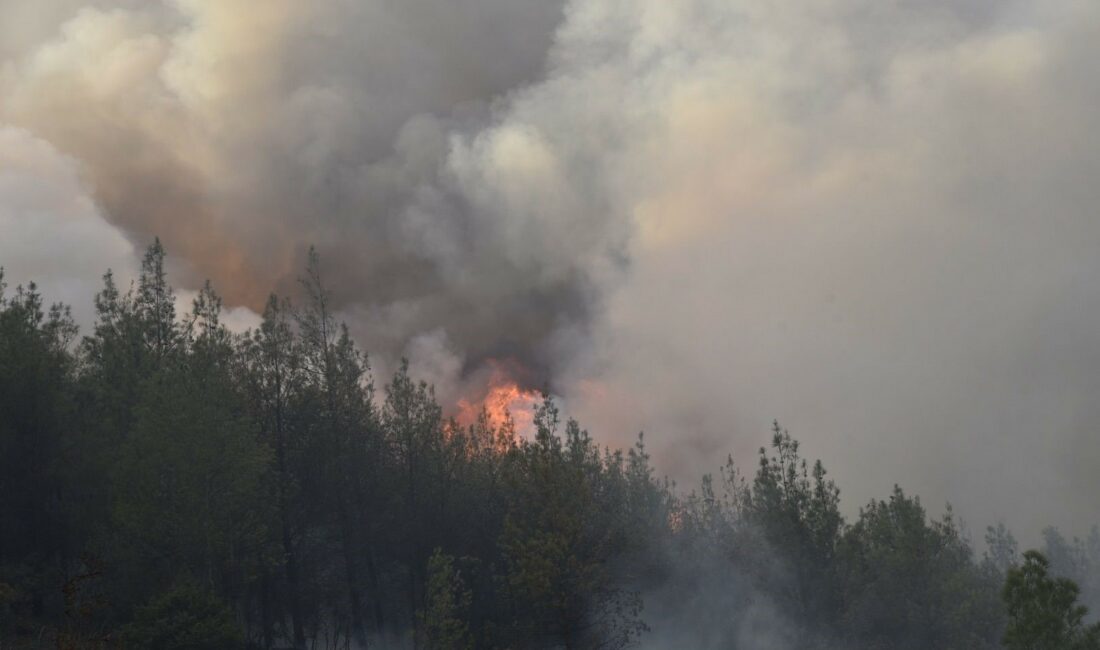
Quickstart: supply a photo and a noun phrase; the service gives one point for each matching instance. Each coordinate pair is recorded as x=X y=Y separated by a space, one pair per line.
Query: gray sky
x=874 y=221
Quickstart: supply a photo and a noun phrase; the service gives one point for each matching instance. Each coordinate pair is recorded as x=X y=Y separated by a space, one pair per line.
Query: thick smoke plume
x=876 y=221
x=243 y=133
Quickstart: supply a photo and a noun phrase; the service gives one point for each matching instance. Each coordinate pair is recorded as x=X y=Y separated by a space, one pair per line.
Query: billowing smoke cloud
x=243 y=133
x=875 y=221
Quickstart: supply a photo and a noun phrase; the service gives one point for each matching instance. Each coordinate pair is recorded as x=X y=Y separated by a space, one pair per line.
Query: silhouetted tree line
x=165 y=483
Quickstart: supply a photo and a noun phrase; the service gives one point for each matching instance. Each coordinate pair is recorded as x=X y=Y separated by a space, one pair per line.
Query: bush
x=185 y=618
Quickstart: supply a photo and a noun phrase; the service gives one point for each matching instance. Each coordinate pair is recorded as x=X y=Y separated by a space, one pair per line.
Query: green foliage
x=1043 y=613
x=39 y=489
x=443 y=619
x=555 y=548
x=911 y=583
x=184 y=618
x=156 y=305
x=798 y=512
x=166 y=483
x=189 y=478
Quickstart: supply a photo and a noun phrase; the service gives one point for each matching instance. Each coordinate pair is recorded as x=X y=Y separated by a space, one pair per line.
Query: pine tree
x=447 y=601
x=273 y=373
x=39 y=496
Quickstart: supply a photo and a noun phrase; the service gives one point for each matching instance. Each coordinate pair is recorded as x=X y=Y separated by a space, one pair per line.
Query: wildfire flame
x=502 y=397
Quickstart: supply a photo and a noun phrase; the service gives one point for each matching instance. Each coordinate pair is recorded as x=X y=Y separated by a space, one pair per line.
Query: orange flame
x=502 y=398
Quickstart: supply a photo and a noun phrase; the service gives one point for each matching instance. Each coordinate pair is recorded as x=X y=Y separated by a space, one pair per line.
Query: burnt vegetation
x=165 y=483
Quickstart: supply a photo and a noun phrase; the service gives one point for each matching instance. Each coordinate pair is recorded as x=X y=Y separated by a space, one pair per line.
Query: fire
x=502 y=397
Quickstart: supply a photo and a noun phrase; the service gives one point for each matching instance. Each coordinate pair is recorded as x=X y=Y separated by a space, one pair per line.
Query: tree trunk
x=358 y=631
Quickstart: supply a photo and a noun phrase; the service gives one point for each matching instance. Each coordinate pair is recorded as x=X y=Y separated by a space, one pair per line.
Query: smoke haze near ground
x=874 y=221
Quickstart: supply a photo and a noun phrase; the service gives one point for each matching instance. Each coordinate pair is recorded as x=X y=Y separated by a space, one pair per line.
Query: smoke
x=706 y=602
x=875 y=221
x=241 y=134
x=48 y=217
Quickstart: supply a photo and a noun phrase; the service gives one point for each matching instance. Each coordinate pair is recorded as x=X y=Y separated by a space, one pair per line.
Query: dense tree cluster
x=165 y=483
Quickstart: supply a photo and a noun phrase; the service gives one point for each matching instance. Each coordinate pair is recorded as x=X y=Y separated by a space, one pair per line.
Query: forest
x=166 y=483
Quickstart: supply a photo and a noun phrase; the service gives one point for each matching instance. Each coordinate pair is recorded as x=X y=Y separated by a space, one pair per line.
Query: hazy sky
x=875 y=221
